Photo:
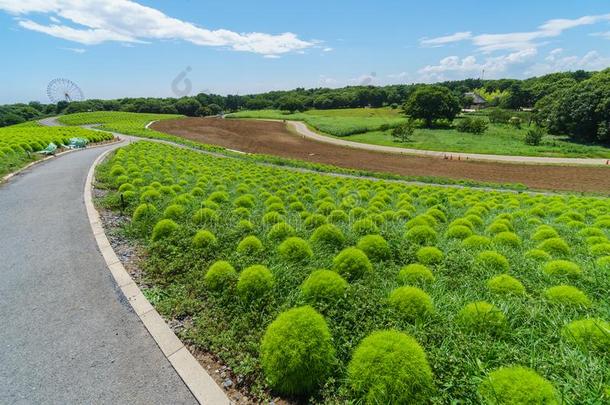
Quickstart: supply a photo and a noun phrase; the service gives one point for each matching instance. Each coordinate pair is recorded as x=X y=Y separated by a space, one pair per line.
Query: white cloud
x=75 y=50
x=440 y=41
x=517 y=41
x=605 y=35
x=455 y=67
x=129 y=22
x=556 y=61
x=327 y=49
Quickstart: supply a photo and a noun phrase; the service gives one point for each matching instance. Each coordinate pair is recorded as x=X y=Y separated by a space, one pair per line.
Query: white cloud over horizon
x=125 y=21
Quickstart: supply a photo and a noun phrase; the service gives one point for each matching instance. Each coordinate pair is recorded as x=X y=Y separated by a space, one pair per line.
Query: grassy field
x=461 y=282
x=363 y=125
x=19 y=143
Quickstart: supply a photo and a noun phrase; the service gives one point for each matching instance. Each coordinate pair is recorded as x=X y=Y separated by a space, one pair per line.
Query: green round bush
x=272 y=217
x=375 y=247
x=505 y=284
x=337 y=216
x=481 y=316
x=144 y=212
x=517 y=385
x=562 y=268
x=297 y=352
x=415 y=273
x=280 y=231
x=204 y=239
x=591 y=333
x=163 y=229
x=150 y=196
x=544 y=232
x=219 y=276
x=458 y=232
x=476 y=242
x=250 y=245
x=390 y=367
x=507 y=239
x=352 y=263
x=205 y=215
x=537 y=254
x=429 y=255
x=600 y=249
x=567 y=295
x=323 y=286
x=492 y=260
x=421 y=234
x=314 y=221
x=244 y=226
x=174 y=211
x=555 y=246
x=603 y=263
x=411 y=302
x=365 y=226
x=328 y=235
x=254 y=283
x=497 y=227
x=295 y=249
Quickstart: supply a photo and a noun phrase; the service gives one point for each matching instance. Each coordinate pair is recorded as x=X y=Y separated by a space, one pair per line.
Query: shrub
x=365 y=226
x=534 y=136
x=254 y=283
x=323 y=286
x=250 y=245
x=601 y=249
x=411 y=302
x=567 y=295
x=328 y=235
x=375 y=247
x=555 y=246
x=476 y=242
x=507 y=239
x=295 y=249
x=562 y=268
x=603 y=263
x=471 y=125
x=421 y=234
x=144 y=212
x=497 y=227
x=163 y=229
x=150 y=196
x=272 y=217
x=537 y=254
x=244 y=226
x=414 y=273
x=296 y=351
x=338 y=216
x=205 y=215
x=429 y=255
x=174 y=211
x=458 y=232
x=517 y=386
x=314 y=221
x=352 y=263
x=204 y=239
x=592 y=333
x=482 y=316
x=280 y=231
x=492 y=260
x=505 y=284
x=544 y=232
x=390 y=367
x=219 y=275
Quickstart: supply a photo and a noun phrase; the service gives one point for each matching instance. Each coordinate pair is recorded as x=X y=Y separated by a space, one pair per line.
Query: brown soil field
x=273 y=138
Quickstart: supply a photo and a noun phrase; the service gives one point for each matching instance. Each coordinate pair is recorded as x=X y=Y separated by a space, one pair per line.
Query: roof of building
x=476 y=98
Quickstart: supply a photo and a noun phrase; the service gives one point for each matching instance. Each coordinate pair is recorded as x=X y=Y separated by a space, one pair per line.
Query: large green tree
x=431 y=103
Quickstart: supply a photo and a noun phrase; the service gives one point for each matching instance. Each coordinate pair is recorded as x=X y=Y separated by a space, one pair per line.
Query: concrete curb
x=34 y=163
x=195 y=377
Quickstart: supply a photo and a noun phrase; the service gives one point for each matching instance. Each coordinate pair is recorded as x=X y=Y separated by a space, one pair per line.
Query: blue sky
x=120 y=48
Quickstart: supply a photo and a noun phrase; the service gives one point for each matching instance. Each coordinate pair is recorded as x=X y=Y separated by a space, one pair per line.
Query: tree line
x=574 y=103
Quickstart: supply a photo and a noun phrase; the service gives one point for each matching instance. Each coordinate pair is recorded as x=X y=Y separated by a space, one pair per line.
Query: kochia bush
x=390 y=367
x=328 y=235
x=429 y=255
x=482 y=316
x=505 y=284
x=204 y=239
x=592 y=333
x=250 y=245
x=323 y=286
x=415 y=273
x=411 y=303
x=163 y=229
x=352 y=263
x=517 y=386
x=567 y=295
x=296 y=352
x=375 y=247
x=562 y=268
x=421 y=234
x=219 y=276
x=254 y=283
x=295 y=249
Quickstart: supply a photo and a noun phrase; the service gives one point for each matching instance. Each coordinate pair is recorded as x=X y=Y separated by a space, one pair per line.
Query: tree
x=290 y=104
x=534 y=136
x=404 y=131
x=188 y=106
x=431 y=103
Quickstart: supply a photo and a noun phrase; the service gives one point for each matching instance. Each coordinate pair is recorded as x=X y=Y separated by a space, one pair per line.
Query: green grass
x=460 y=359
x=363 y=125
x=19 y=143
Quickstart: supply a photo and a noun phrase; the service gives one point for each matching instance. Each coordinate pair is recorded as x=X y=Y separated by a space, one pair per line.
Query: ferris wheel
x=64 y=90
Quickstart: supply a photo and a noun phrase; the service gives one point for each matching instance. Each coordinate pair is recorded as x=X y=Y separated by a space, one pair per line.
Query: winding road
x=68 y=334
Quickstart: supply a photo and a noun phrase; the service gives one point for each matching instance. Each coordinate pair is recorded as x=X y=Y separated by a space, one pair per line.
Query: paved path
x=302 y=129
x=68 y=335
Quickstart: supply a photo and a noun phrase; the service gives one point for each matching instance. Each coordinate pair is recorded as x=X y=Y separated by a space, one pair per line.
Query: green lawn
x=364 y=124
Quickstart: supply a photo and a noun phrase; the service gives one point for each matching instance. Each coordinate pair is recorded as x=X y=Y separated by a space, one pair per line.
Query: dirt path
x=302 y=129
x=274 y=139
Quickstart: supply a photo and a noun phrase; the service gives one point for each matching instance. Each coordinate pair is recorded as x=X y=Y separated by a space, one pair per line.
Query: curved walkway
x=302 y=129
x=68 y=334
